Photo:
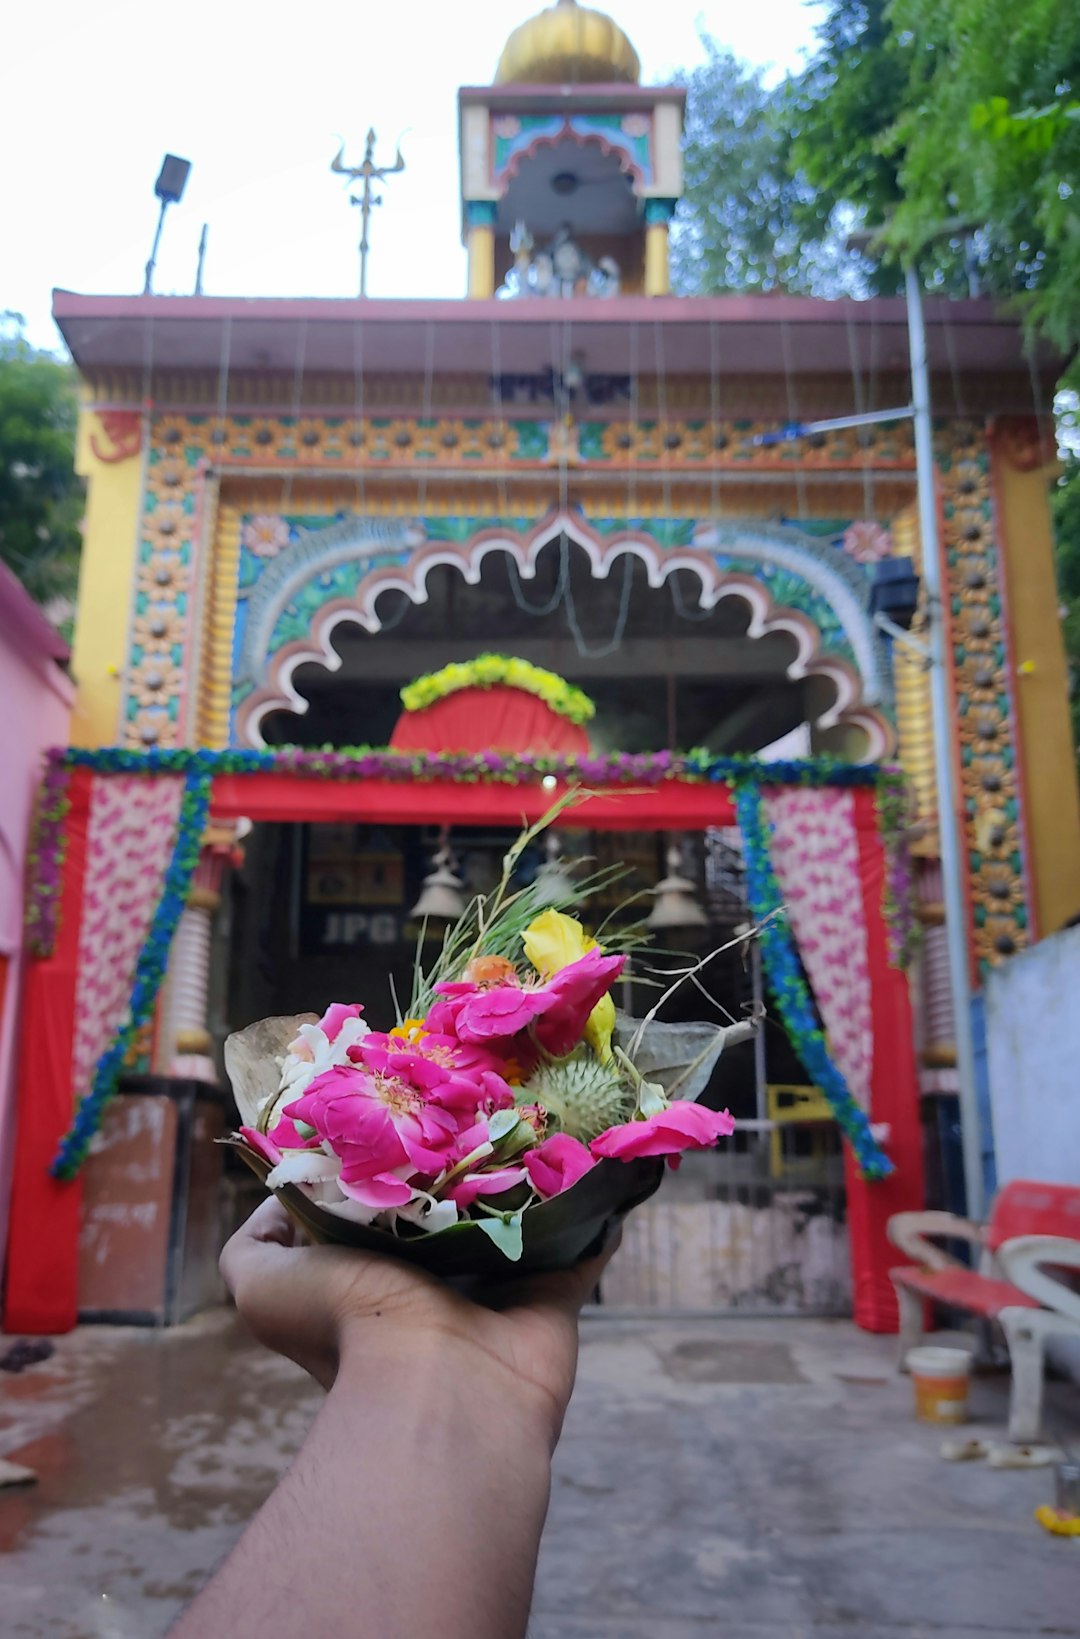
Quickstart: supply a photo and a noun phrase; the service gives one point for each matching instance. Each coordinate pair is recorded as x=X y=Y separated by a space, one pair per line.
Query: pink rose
x=332 y=1020
x=456 y=1074
x=572 y=994
x=556 y=1164
x=379 y=1192
x=376 y=1123
x=682 y=1126
x=496 y=1014
x=286 y=1137
x=261 y=1144
x=557 y=1011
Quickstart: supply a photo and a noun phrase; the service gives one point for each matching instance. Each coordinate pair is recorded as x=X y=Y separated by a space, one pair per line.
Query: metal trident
x=367 y=200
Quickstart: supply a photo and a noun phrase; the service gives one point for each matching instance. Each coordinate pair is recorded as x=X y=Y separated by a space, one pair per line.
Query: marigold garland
x=492 y=670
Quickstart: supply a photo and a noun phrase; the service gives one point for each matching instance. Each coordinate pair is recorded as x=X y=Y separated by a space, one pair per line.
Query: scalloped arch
x=582 y=139
x=855 y=692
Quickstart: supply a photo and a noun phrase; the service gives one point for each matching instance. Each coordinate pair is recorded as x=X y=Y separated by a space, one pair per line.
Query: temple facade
x=295 y=507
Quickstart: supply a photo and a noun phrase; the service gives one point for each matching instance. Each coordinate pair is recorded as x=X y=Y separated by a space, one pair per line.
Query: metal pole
x=148 y=282
x=949 y=816
x=202 y=259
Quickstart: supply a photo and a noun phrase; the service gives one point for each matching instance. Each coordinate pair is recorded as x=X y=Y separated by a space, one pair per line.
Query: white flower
x=310 y=1055
x=428 y=1213
x=304 y=1167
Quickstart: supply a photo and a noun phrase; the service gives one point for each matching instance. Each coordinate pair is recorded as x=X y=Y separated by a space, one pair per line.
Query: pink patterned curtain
x=130 y=840
x=815 y=854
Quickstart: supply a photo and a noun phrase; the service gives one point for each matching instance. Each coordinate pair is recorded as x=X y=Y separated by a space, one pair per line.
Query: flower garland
x=600 y=772
x=898 y=890
x=482 y=767
x=149 y=973
x=45 y=858
x=490 y=670
x=792 y=993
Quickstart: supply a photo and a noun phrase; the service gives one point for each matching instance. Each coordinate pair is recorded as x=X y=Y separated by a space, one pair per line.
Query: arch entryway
x=748 y=606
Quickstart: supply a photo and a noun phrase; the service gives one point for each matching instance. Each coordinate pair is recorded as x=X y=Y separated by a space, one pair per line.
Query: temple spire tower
x=570 y=168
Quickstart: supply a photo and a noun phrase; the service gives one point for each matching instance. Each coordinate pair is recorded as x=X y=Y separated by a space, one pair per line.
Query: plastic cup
x=941 y=1378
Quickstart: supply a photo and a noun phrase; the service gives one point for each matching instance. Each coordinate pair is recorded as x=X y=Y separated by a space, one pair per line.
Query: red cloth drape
x=894 y=1098
x=42 y=1265
x=670 y=806
x=495 y=719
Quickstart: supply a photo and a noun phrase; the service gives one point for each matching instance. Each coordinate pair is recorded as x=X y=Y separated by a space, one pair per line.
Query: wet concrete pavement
x=740 y=1478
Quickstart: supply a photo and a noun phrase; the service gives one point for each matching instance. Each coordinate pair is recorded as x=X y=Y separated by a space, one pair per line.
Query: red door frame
x=42 y=1286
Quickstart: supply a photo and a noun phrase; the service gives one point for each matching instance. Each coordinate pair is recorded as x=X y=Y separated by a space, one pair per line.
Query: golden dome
x=568 y=43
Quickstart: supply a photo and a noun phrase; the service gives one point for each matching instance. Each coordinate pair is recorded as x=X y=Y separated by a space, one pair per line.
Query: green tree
x=40 y=497
x=747 y=217
x=1066 y=507
x=990 y=129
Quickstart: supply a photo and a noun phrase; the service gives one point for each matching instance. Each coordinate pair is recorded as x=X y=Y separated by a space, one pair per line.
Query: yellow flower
x=412 y=1031
x=552 y=941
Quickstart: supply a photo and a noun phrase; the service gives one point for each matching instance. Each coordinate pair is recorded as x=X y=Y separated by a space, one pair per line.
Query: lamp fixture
x=894 y=602
x=169 y=189
x=676 y=903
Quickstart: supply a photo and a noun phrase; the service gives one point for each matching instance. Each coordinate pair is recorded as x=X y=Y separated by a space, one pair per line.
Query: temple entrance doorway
x=322 y=912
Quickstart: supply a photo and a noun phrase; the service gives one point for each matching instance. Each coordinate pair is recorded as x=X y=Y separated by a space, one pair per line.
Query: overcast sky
x=257 y=97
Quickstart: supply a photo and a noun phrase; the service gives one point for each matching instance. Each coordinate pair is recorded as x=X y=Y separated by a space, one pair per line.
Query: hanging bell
x=553 y=882
x=676 y=903
x=440 y=897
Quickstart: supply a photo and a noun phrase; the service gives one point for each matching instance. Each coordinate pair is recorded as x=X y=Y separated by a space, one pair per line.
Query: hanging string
x=661 y=412
x=860 y=409
x=427 y=408
x=500 y=419
x=358 y=433
x=297 y=405
x=396 y=618
x=680 y=607
x=561 y=583
x=714 y=419
x=223 y=376
x=620 y=620
x=793 y=416
x=954 y=368
x=635 y=422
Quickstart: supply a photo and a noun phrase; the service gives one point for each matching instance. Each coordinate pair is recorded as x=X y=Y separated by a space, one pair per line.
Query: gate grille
x=757 y=1227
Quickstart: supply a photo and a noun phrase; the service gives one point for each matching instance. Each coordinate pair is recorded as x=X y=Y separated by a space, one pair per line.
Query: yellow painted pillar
x=658 y=214
x=1048 y=758
x=109 y=456
x=480 y=244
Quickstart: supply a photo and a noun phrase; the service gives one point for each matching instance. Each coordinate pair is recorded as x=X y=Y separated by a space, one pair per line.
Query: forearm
x=414 y=1509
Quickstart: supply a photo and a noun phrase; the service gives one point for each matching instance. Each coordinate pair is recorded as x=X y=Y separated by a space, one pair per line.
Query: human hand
x=323 y=1306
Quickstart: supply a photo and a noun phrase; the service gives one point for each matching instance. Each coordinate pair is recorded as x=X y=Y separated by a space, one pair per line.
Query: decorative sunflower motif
x=619 y=441
x=154 y=681
x=162 y=577
x=308 y=437
x=164 y=528
x=167 y=478
x=174 y=436
x=152 y=727
x=262 y=436
x=157 y=631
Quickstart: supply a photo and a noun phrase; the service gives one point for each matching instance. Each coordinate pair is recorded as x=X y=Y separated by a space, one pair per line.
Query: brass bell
x=441 y=898
x=676 y=904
